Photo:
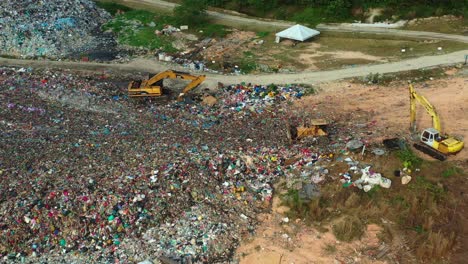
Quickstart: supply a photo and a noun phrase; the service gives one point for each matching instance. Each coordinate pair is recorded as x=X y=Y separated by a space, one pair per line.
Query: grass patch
x=262 y=34
x=145 y=37
x=348 y=229
x=136 y=28
x=452 y=171
x=213 y=31
x=112 y=8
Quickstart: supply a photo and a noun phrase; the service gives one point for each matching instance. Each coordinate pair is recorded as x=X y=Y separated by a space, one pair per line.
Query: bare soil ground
x=295 y=242
x=389 y=105
x=387 y=108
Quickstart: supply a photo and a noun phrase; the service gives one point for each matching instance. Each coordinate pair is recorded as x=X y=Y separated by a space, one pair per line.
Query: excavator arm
x=154 y=85
x=160 y=76
x=425 y=103
x=196 y=81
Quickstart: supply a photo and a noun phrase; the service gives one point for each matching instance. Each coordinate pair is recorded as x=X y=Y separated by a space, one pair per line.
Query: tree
x=191 y=12
x=338 y=8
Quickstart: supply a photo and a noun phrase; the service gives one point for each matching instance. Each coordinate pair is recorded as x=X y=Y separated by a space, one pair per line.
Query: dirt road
x=393 y=32
x=146 y=65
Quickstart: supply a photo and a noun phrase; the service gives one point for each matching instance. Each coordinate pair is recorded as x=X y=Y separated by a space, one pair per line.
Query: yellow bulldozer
x=153 y=87
x=430 y=140
x=309 y=128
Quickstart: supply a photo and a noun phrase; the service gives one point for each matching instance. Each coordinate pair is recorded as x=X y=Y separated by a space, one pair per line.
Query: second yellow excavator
x=431 y=140
x=153 y=87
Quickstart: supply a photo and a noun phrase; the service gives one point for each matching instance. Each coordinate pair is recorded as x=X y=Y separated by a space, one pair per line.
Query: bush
x=311 y=16
x=338 y=9
x=409 y=159
x=348 y=229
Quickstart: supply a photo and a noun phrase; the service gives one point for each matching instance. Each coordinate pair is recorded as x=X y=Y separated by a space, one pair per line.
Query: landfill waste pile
x=88 y=175
x=52 y=28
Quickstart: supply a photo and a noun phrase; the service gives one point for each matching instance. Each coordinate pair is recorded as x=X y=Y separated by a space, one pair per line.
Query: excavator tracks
x=430 y=151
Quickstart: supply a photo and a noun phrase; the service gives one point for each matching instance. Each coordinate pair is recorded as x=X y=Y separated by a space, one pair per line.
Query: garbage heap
x=90 y=176
x=51 y=28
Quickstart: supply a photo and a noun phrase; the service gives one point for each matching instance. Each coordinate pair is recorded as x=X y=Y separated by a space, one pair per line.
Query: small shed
x=297 y=32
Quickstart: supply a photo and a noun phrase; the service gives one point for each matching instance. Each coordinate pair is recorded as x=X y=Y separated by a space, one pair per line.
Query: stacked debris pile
x=53 y=29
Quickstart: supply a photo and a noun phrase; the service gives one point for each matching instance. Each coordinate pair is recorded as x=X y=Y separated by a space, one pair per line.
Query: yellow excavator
x=153 y=87
x=431 y=141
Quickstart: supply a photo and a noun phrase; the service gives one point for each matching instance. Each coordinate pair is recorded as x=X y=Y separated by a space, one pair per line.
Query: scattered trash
x=354 y=145
x=370 y=179
x=378 y=151
x=405 y=179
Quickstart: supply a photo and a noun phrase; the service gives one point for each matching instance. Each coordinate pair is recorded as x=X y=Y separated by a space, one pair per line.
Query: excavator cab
x=430 y=137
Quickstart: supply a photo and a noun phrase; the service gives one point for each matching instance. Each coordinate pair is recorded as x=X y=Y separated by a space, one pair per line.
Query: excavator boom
x=425 y=103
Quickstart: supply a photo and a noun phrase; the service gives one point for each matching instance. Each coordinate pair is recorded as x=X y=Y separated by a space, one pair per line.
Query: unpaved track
x=393 y=32
x=213 y=79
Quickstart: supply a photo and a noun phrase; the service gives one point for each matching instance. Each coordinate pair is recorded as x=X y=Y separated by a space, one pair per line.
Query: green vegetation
x=409 y=159
x=262 y=34
x=452 y=171
x=315 y=11
x=248 y=62
x=213 y=30
x=137 y=28
x=310 y=15
x=191 y=12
